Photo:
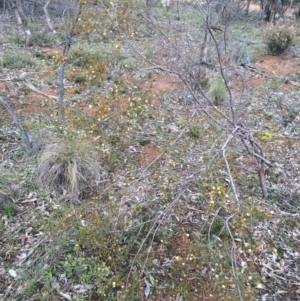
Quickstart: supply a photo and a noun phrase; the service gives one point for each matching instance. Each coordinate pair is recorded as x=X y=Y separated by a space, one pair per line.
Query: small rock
x=23 y=76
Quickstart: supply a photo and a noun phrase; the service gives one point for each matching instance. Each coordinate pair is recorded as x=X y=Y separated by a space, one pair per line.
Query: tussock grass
x=69 y=164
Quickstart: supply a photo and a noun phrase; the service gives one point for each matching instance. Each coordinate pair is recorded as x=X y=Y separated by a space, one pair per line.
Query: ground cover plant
x=167 y=168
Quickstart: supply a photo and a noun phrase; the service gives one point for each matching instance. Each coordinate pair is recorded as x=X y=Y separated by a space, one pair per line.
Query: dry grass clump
x=69 y=165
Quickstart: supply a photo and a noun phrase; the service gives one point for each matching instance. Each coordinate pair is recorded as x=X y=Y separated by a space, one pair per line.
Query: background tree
x=21 y=13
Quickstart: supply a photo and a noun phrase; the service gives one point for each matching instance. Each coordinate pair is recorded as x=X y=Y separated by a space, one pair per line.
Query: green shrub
x=43 y=39
x=278 y=39
x=88 y=65
x=194 y=131
x=83 y=56
x=16 y=60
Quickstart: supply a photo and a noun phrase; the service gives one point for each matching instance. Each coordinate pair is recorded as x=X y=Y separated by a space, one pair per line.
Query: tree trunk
x=247 y=7
x=61 y=74
x=148 y=3
x=24 y=19
x=19 y=21
x=48 y=20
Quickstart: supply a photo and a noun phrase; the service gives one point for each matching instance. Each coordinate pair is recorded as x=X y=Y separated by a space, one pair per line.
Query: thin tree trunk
x=61 y=73
x=262 y=178
x=48 y=19
x=148 y=3
x=61 y=89
x=247 y=7
x=19 y=21
x=18 y=124
x=24 y=19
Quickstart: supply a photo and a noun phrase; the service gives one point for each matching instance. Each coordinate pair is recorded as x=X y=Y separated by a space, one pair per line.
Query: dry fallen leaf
x=66 y=296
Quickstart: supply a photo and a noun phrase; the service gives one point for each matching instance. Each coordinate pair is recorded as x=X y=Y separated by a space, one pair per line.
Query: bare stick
x=18 y=124
x=33 y=88
x=233 y=254
x=61 y=73
x=212 y=222
x=228 y=167
x=158 y=221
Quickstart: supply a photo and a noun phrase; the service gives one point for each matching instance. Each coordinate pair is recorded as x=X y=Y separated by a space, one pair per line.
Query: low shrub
x=278 y=40
x=16 y=60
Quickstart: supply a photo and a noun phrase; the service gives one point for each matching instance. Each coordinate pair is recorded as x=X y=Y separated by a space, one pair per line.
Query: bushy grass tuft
x=69 y=164
x=217 y=90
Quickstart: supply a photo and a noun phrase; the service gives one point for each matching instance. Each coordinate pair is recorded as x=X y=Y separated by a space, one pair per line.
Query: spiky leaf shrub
x=69 y=164
x=278 y=39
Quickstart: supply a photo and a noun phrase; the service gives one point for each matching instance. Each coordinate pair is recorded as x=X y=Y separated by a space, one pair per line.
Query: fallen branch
x=18 y=124
x=33 y=88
